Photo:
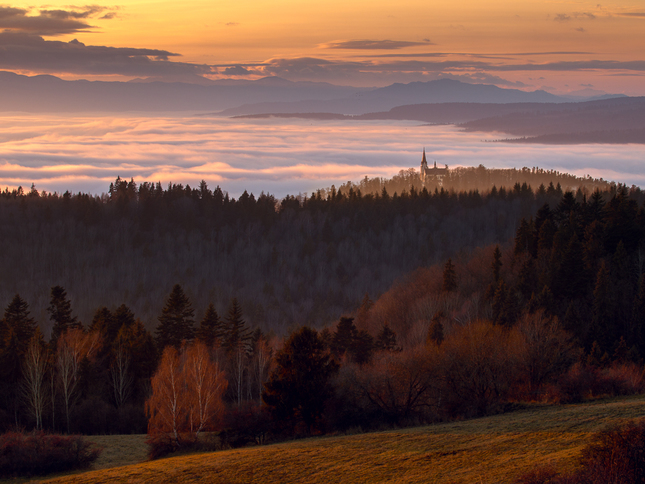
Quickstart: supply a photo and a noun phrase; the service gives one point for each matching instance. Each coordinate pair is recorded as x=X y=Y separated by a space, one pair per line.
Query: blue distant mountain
x=239 y=97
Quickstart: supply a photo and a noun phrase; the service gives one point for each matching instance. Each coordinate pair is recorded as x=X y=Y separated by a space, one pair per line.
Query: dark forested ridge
x=171 y=307
x=291 y=261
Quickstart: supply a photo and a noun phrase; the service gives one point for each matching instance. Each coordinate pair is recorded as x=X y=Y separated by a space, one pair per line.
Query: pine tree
x=362 y=347
x=524 y=237
x=211 y=328
x=449 y=277
x=16 y=317
x=344 y=336
x=386 y=339
x=499 y=300
x=176 y=320
x=637 y=332
x=602 y=323
x=300 y=385
x=526 y=283
x=237 y=333
x=497 y=264
x=60 y=314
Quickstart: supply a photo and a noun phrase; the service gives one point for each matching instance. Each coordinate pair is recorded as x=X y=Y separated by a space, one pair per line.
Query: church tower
x=434 y=174
x=424 y=166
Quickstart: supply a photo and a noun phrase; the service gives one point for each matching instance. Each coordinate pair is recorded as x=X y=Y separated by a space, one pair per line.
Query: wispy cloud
x=372 y=44
x=52 y=22
x=562 y=17
x=237 y=71
x=28 y=52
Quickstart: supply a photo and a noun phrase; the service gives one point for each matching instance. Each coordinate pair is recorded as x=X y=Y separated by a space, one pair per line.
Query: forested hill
x=460 y=179
x=289 y=262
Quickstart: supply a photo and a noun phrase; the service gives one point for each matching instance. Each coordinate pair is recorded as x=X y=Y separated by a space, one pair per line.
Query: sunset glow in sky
x=560 y=46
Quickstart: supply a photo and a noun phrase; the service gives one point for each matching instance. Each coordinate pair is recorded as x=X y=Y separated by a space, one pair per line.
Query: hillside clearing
x=492 y=449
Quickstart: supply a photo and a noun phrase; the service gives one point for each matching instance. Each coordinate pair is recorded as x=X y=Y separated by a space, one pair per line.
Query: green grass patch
x=487 y=450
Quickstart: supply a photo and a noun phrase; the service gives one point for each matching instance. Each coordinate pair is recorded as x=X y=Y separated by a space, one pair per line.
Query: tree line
x=298 y=259
x=97 y=378
x=457 y=338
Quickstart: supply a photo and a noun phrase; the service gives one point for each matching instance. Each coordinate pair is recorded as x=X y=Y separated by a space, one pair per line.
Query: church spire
x=423 y=160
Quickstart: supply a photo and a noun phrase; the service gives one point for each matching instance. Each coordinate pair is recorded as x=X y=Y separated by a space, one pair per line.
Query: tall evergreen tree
x=60 y=314
x=344 y=336
x=386 y=339
x=16 y=316
x=300 y=385
x=176 y=320
x=497 y=264
x=524 y=237
x=637 y=332
x=237 y=333
x=211 y=328
x=603 y=329
x=449 y=277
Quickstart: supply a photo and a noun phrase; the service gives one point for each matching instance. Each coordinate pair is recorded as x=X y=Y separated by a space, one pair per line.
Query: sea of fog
x=85 y=153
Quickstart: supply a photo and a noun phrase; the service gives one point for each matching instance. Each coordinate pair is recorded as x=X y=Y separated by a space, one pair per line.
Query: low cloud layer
x=87 y=153
x=372 y=44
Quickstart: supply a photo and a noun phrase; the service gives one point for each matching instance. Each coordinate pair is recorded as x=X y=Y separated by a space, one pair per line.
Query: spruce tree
x=524 y=237
x=60 y=314
x=362 y=347
x=637 y=330
x=16 y=317
x=237 y=333
x=449 y=277
x=386 y=339
x=300 y=384
x=497 y=264
x=343 y=338
x=176 y=320
x=211 y=328
x=602 y=323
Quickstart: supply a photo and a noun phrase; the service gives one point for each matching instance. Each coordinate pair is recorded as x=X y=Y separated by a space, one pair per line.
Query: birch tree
x=34 y=388
x=73 y=346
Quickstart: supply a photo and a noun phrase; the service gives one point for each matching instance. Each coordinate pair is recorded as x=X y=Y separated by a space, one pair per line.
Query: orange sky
x=561 y=46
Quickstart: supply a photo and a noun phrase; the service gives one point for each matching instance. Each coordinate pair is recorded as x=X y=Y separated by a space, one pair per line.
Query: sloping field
x=488 y=450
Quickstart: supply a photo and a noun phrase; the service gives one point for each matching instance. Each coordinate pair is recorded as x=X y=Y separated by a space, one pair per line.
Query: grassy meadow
x=487 y=450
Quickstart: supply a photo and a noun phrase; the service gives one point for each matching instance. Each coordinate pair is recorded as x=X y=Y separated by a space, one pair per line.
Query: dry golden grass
x=488 y=450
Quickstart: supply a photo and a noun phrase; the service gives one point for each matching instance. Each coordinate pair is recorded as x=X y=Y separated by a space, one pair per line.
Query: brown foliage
x=39 y=454
x=478 y=368
x=186 y=396
x=614 y=456
x=546 y=351
x=400 y=385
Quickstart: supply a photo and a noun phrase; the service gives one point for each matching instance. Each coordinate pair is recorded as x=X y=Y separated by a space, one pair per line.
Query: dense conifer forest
x=402 y=306
x=291 y=261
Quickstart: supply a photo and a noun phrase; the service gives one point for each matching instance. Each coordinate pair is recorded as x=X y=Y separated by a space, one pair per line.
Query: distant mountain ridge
x=616 y=120
x=386 y=98
x=50 y=94
x=231 y=97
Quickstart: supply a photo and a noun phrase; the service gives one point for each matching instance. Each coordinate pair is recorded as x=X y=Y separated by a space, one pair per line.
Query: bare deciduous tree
x=186 y=395
x=205 y=385
x=167 y=405
x=121 y=375
x=73 y=346
x=34 y=388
